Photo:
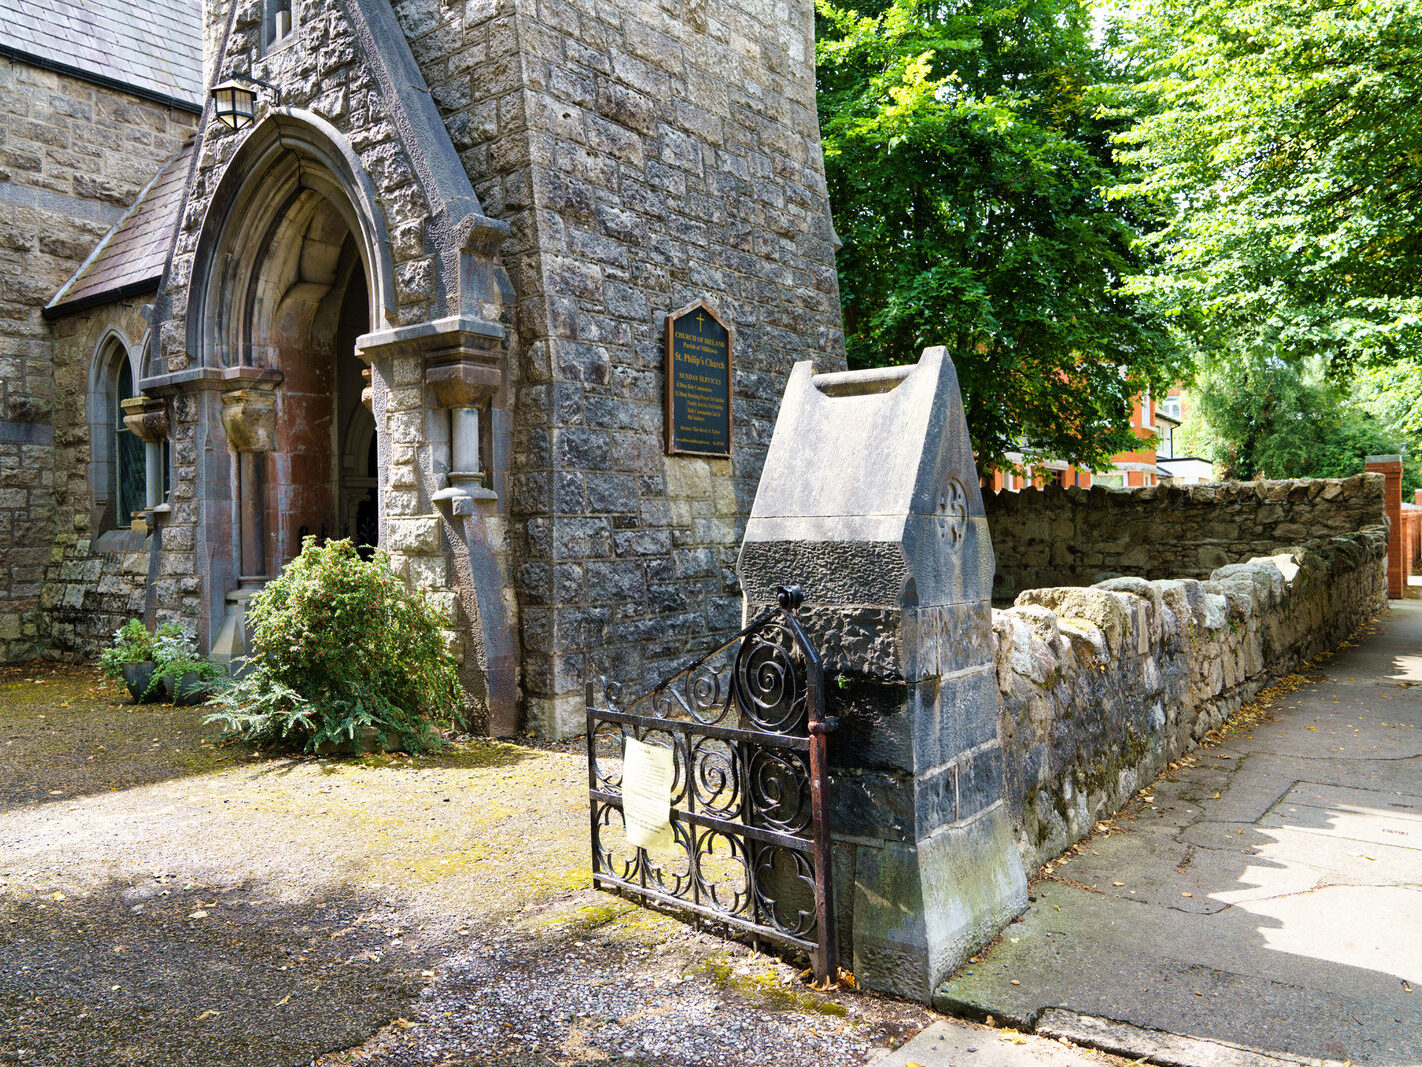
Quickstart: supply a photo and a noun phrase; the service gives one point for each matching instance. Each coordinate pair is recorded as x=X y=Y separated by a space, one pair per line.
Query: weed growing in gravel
x=766 y=989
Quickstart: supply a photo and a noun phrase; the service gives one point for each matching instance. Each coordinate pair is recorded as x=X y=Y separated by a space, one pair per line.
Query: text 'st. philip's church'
x=401 y=272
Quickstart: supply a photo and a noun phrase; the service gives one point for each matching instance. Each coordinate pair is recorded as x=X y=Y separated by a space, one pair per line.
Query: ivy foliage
x=965 y=170
x=1281 y=141
x=342 y=649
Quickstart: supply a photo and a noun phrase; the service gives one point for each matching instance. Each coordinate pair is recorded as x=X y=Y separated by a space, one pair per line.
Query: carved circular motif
x=953 y=512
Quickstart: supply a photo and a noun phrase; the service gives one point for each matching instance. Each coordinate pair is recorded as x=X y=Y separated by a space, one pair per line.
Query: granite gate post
x=869 y=500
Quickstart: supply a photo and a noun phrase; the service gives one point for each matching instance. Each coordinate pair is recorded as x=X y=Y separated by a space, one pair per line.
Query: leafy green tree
x=1267 y=417
x=965 y=172
x=1283 y=141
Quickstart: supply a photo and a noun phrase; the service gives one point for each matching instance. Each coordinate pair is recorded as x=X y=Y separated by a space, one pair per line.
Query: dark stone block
x=874 y=726
x=979 y=782
x=874 y=804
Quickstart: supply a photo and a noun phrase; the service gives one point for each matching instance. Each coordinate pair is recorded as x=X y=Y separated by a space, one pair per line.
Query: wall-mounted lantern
x=235 y=104
x=235 y=100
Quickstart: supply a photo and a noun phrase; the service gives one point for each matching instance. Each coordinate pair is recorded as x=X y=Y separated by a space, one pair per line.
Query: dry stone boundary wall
x=1102 y=686
x=1053 y=536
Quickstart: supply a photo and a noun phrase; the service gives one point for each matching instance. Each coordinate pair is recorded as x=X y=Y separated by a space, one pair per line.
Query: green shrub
x=342 y=649
x=188 y=677
x=132 y=644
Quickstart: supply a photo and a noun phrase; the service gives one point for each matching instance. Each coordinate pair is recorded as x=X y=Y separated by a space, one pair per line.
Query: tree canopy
x=1283 y=141
x=966 y=171
x=1263 y=416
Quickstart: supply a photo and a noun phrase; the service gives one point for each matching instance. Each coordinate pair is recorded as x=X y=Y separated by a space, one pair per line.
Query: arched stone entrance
x=295 y=269
x=312 y=304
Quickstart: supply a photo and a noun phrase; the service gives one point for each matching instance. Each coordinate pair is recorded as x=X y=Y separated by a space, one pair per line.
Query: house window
x=1112 y=480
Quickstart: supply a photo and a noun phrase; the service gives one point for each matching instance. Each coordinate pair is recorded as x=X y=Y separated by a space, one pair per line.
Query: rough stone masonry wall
x=72 y=157
x=96 y=579
x=646 y=154
x=1102 y=686
x=1054 y=536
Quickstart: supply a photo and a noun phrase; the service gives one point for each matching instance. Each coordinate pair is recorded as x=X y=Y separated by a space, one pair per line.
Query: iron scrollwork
x=750 y=843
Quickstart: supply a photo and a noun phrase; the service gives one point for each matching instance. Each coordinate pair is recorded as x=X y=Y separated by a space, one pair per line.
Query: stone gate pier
x=869 y=500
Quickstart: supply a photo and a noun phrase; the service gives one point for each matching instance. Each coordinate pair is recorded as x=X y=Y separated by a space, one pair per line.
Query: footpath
x=1260 y=905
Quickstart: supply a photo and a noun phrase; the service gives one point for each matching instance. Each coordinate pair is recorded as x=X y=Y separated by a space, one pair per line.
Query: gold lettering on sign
x=698 y=382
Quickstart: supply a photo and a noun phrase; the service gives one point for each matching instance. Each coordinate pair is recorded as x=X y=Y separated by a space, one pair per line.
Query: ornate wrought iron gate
x=746 y=725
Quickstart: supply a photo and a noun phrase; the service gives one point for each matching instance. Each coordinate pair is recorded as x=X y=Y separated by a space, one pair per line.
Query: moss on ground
x=765 y=988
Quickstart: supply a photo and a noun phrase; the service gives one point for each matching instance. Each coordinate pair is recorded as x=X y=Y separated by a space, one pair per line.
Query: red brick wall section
x=1412 y=540
x=1397 y=560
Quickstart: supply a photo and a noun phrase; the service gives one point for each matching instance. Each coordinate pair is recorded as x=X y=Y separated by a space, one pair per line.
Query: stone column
x=1397 y=570
x=249 y=419
x=870 y=502
x=464 y=387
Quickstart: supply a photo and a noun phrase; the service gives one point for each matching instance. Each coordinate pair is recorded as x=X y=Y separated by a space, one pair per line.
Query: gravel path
x=166 y=900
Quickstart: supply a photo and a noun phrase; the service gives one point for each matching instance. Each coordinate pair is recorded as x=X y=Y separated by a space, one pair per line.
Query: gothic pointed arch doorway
x=287 y=279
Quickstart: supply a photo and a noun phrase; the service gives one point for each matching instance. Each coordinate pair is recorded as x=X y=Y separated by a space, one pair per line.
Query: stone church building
x=398 y=272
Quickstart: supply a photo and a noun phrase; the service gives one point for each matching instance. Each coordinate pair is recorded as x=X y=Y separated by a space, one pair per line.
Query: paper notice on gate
x=647 y=775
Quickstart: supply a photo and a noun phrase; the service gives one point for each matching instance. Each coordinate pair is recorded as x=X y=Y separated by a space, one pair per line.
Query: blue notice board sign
x=698 y=377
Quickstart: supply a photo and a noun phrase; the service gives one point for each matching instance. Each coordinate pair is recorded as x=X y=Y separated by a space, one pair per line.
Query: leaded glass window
x=129 y=473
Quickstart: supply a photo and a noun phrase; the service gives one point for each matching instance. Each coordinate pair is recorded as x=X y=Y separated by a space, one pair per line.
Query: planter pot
x=190 y=689
x=137 y=676
x=365 y=741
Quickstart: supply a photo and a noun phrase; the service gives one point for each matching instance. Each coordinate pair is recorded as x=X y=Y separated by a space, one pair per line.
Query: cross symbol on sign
x=700 y=322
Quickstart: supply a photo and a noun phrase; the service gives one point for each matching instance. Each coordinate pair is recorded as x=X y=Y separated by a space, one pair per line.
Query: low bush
x=342 y=653
x=133 y=643
x=180 y=669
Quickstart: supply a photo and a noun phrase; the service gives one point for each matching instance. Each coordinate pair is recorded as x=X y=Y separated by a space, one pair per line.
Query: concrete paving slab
x=1364 y=801
x=1165 y=1050
x=1299 y=842
x=1352 y=826
x=954 y=1043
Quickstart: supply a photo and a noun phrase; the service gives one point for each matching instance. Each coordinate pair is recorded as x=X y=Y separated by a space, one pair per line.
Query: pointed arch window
x=130 y=490
x=118 y=461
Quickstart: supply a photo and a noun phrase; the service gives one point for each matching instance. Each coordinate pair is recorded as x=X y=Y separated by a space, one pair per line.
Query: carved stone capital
x=147 y=418
x=465 y=383
x=249 y=417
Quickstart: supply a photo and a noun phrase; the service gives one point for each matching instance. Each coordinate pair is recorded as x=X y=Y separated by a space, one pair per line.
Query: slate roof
x=152 y=46
x=131 y=256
